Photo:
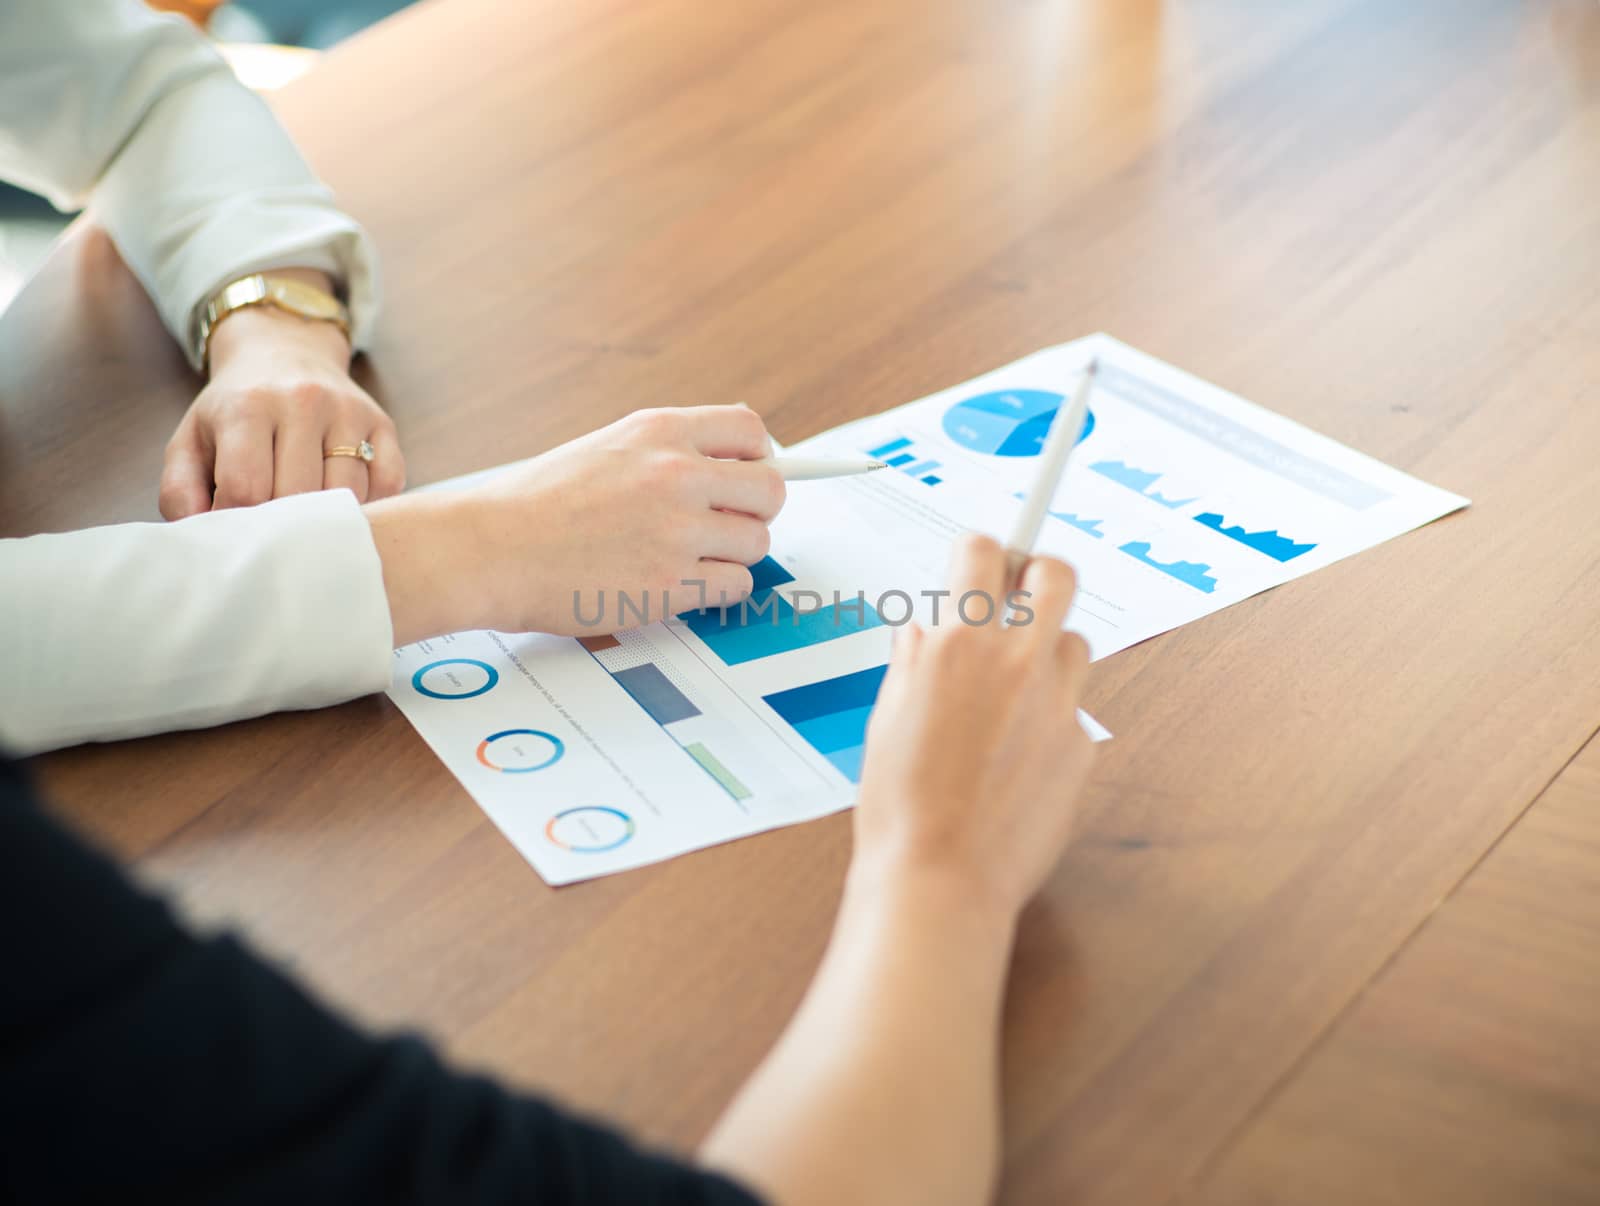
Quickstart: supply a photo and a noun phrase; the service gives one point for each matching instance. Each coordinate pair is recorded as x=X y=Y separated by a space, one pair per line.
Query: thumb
x=185 y=477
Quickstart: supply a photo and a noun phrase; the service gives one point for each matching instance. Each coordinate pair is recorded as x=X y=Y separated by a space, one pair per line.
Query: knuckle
x=259 y=398
x=688 y=546
x=755 y=427
x=243 y=486
x=672 y=470
x=1074 y=651
x=307 y=398
x=356 y=405
x=777 y=490
x=1066 y=577
x=979 y=544
x=762 y=540
x=659 y=424
x=731 y=582
x=666 y=562
x=255 y=402
x=1057 y=576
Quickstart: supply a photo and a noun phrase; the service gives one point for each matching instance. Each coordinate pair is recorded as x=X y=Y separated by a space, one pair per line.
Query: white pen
x=1058 y=446
x=812 y=468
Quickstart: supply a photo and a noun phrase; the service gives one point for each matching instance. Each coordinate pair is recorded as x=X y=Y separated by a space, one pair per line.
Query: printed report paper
x=604 y=753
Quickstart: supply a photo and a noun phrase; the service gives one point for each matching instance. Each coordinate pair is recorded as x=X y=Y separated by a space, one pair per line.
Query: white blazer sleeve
x=104 y=102
x=144 y=627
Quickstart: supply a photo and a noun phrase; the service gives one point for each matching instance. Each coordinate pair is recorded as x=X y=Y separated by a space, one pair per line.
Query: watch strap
x=265 y=289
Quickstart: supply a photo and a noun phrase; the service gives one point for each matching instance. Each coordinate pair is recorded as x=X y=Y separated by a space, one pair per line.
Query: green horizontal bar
x=717 y=771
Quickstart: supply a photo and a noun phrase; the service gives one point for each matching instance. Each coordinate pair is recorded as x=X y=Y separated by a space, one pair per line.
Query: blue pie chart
x=1007 y=422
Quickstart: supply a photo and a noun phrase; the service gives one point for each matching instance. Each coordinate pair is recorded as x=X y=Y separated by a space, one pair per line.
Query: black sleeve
x=139 y=1062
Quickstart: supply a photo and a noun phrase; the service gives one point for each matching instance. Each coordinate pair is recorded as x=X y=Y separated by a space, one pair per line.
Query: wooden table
x=1331 y=931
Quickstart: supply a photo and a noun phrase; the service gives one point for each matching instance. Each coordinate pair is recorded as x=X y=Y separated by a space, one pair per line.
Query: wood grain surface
x=1378 y=219
x=1469 y=1071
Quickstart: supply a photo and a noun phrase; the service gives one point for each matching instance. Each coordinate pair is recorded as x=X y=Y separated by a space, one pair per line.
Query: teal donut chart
x=421 y=688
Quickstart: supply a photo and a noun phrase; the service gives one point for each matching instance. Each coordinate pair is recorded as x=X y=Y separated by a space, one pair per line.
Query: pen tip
x=871 y=465
x=1094 y=367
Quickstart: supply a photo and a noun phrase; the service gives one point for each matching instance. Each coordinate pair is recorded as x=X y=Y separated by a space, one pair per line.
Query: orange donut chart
x=596 y=820
x=546 y=744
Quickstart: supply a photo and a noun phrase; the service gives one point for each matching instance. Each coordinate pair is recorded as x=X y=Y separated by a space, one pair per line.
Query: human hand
x=655 y=501
x=975 y=757
x=280 y=394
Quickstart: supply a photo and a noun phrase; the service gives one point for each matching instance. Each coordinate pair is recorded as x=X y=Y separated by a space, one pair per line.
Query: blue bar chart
x=767 y=623
x=897 y=455
x=661 y=699
x=831 y=716
x=654 y=692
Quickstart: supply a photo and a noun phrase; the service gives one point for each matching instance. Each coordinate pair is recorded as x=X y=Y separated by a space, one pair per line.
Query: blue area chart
x=1091 y=526
x=1279 y=548
x=1139 y=481
x=1007 y=422
x=1191 y=573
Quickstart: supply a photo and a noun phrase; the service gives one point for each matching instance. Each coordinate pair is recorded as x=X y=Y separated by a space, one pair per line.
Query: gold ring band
x=362 y=451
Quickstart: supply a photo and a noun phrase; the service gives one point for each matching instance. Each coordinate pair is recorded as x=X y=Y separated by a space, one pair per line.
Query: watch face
x=294 y=296
x=305 y=299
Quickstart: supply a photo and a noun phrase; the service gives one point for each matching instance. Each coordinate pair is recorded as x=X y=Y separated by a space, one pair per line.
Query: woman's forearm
x=432 y=569
x=884 y=1088
x=145 y=628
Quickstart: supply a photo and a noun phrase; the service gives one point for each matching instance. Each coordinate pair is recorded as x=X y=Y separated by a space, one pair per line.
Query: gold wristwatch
x=265 y=289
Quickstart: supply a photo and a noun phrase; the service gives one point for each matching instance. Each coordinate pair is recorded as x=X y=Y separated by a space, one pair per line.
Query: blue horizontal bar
x=849 y=761
x=738 y=635
x=835 y=731
x=843 y=694
x=654 y=692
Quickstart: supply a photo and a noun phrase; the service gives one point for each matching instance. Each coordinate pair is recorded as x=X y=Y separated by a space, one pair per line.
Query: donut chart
x=520 y=751
x=437 y=681
x=1007 y=422
x=590 y=829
